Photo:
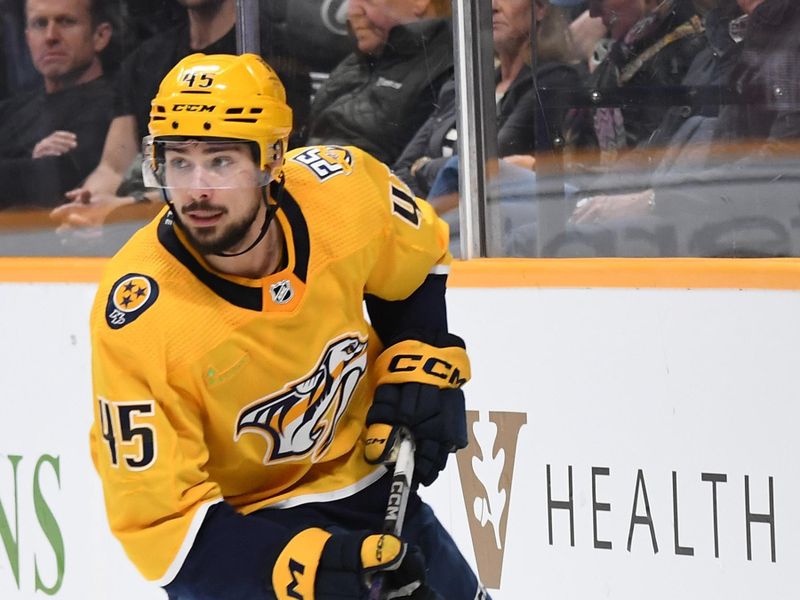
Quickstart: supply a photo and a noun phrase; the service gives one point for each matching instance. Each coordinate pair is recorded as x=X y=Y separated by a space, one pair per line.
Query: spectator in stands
x=379 y=96
x=710 y=75
x=210 y=28
x=708 y=189
x=654 y=43
x=436 y=140
x=709 y=178
x=51 y=138
x=522 y=240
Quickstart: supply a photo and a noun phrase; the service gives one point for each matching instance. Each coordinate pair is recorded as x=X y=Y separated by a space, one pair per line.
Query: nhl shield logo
x=281 y=292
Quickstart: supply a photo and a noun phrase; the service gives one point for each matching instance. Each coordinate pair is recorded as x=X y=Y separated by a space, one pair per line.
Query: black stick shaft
x=398 y=499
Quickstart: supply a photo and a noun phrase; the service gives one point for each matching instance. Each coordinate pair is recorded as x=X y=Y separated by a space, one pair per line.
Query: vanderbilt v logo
x=486 y=467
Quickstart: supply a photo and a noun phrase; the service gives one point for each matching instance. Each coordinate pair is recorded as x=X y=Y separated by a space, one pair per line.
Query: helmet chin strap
x=264 y=227
x=271 y=208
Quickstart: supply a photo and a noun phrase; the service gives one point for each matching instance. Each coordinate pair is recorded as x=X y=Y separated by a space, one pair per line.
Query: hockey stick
x=403 y=456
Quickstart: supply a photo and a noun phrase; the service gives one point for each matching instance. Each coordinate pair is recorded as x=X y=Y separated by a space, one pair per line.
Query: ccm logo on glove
x=414 y=360
x=419 y=389
x=433 y=366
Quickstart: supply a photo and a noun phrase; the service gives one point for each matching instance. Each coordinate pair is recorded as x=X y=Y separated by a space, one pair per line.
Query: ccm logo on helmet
x=193 y=107
x=435 y=367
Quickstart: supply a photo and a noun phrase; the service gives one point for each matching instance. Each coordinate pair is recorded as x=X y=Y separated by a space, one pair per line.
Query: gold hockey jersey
x=211 y=387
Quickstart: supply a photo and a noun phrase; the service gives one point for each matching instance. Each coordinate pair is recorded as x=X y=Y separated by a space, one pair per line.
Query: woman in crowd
x=436 y=141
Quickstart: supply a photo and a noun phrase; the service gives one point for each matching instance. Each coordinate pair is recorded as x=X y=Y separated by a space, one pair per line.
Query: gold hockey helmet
x=221 y=97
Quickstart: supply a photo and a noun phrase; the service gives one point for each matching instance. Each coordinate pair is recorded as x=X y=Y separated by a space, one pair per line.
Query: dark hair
x=100 y=11
x=113 y=13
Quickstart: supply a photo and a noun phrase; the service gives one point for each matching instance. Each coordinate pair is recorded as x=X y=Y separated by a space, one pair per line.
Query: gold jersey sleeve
x=409 y=240
x=413 y=230
x=210 y=388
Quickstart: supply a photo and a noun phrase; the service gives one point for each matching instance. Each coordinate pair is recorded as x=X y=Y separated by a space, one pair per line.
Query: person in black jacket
x=52 y=138
x=739 y=198
x=727 y=186
x=379 y=95
x=654 y=44
x=436 y=140
x=709 y=77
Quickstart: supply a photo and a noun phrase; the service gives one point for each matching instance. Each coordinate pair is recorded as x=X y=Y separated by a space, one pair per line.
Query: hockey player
x=243 y=404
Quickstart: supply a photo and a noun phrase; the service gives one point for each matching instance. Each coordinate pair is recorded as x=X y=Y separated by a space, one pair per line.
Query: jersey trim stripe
x=250 y=298
x=188 y=542
x=339 y=494
x=239 y=295
x=302 y=244
x=439 y=270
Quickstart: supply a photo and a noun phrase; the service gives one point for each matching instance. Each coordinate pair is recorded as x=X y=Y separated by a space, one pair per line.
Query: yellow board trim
x=51 y=270
x=676 y=273
x=681 y=273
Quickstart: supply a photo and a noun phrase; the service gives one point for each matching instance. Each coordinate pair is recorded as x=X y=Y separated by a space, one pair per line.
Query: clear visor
x=200 y=164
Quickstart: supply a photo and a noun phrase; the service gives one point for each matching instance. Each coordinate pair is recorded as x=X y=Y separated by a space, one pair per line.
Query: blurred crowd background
x=624 y=127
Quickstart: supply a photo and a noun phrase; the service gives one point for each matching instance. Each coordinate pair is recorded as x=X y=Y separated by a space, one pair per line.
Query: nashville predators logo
x=130 y=296
x=301 y=419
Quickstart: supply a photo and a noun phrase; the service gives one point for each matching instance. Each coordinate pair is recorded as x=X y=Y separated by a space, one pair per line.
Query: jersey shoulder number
x=325 y=161
x=404 y=204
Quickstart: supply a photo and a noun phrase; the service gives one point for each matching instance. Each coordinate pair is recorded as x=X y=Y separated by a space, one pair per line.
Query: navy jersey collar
x=243 y=296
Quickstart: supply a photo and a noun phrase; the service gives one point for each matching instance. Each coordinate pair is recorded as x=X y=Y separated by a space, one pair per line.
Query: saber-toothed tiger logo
x=301 y=419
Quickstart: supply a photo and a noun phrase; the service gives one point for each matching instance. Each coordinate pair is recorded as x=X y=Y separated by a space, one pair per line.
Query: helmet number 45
x=198 y=80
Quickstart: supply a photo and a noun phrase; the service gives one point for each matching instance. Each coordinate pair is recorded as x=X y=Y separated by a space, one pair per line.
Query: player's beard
x=218 y=239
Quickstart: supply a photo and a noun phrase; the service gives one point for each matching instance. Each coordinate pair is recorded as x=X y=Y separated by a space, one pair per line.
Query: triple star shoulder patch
x=130 y=296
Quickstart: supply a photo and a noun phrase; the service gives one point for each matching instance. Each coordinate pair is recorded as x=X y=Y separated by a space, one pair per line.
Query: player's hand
x=419 y=380
x=436 y=418
x=317 y=565
x=55 y=144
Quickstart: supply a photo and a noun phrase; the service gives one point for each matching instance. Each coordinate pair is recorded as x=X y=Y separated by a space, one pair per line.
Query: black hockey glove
x=419 y=385
x=318 y=565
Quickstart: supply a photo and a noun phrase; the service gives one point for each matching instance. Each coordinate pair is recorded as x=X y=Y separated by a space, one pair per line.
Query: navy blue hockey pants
x=448 y=572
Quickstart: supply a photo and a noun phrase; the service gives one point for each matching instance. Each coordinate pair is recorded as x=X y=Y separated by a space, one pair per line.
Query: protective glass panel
x=623 y=128
x=678 y=136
